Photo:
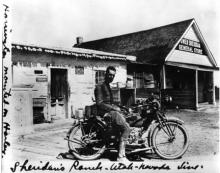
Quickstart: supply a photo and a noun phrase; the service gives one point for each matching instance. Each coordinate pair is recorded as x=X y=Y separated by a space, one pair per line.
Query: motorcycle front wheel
x=85 y=141
x=170 y=140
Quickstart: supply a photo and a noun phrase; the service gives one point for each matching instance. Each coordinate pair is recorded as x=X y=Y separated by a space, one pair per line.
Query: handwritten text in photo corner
x=6 y=90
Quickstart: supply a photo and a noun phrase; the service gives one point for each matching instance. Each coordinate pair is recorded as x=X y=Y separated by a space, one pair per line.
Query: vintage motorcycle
x=151 y=131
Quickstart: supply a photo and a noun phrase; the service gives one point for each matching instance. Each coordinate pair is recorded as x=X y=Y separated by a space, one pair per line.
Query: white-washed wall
x=81 y=87
x=25 y=76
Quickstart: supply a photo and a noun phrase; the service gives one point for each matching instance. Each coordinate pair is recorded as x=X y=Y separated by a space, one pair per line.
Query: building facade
x=60 y=83
x=171 y=60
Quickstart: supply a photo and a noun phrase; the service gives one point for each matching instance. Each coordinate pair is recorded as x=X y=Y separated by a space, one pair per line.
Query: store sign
x=190 y=46
x=41 y=79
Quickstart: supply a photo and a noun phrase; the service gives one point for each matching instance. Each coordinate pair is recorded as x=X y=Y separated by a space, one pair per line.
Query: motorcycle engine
x=134 y=135
x=150 y=108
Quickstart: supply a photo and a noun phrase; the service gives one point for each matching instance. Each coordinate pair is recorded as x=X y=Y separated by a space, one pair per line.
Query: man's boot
x=121 y=152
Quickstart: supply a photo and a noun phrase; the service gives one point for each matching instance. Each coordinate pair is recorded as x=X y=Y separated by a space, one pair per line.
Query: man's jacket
x=104 y=98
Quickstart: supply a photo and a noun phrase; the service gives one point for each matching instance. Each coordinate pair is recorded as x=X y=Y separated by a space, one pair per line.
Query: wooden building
x=61 y=82
x=171 y=60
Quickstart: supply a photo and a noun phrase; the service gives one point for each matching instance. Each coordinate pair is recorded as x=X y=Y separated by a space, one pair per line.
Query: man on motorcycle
x=104 y=101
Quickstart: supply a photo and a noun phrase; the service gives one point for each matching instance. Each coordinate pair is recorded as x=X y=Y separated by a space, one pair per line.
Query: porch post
x=162 y=83
x=196 y=90
x=163 y=76
x=48 y=115
x=134 y=86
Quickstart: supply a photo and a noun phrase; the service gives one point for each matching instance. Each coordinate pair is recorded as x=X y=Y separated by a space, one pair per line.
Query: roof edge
x=171 y=51
x=192 y=24
x=87 y=42
x=74 y=51
x=210 y=55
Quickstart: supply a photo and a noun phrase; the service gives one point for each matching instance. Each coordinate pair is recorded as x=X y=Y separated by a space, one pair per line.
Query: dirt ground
x=203 y=130
x=202 y=126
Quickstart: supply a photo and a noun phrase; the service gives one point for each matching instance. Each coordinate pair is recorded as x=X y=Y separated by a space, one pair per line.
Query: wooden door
x=59 y=93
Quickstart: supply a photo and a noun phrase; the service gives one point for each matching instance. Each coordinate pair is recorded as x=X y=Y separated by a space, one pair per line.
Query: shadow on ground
x=112 y=156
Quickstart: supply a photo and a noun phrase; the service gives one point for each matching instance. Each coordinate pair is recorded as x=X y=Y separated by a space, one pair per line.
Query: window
x=144 y=80
x=139 y=80
x=149 y=81
x=79 y=70
x=99 y=76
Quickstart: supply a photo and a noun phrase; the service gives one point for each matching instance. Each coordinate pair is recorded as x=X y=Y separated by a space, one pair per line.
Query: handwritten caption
x=6 y=88
x=116 y=166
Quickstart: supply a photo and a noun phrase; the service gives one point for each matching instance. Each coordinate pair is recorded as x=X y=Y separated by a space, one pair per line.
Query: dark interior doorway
x=203 y=86
x=59 y=91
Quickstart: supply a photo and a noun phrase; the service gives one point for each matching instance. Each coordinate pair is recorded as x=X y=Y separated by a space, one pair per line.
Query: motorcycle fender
x=175 y=119
x=97 y=120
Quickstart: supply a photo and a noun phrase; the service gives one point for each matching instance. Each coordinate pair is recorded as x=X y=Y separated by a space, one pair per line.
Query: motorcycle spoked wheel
x=86 y=143
x=170 y=146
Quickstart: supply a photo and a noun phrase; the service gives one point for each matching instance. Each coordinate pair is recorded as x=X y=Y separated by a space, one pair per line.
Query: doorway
x=204 y=85
x=59 y=93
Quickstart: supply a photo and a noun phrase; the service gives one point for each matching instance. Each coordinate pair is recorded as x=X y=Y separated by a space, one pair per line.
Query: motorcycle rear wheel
x=86 y=143
x=170 y=146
